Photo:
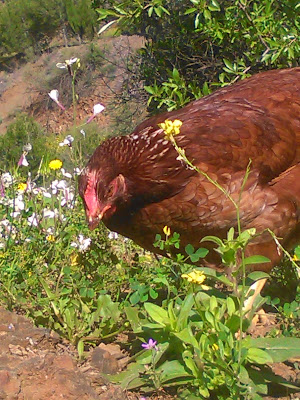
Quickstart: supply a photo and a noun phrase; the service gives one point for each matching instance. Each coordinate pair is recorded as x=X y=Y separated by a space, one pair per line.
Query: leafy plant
x=196 y=348
x=207 y=42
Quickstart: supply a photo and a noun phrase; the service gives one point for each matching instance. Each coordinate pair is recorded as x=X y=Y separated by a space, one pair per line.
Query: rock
x=104 y=361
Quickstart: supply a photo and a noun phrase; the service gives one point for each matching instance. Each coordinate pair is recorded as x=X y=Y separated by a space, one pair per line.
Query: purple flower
x=150 y=345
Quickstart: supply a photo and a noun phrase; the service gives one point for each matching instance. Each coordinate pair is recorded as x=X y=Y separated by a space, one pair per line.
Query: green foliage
x=20 y=132
x=175 y=92
x=33 y=23
x=196 y=349
x=207 y=42
x=27 y=23
x=81 y=17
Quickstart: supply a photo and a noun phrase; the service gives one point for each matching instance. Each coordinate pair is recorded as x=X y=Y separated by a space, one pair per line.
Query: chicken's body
x=137 y=185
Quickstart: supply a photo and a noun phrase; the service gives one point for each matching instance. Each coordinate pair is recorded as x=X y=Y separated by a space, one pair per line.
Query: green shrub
x=207 y=41
x=22 y=131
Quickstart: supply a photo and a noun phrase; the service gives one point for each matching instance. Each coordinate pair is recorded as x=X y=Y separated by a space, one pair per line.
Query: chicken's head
x=101 y=195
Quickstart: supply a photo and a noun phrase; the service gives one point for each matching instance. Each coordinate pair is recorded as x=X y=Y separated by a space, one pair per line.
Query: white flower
x=66 y=174
x=82 y=132
x=67 y=63
x=5 y=222
x=68 y=197
x=32 y=220
x=58 y=185
x=98 y=108
x=19 y=204
x=49 y=213
x=27 y=147
x=67 y=141
x=7 y=179
x=82 y=244
x=113 y=235
x=54 y=96
x=77 y=171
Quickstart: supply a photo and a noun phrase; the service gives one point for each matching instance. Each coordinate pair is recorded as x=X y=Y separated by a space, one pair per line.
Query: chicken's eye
x=110 y=192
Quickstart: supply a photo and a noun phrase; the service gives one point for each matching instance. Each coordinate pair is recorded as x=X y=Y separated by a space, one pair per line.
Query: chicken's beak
x=93 y=221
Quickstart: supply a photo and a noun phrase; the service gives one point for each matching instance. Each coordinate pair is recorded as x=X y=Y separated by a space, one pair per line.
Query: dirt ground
x=36 y=364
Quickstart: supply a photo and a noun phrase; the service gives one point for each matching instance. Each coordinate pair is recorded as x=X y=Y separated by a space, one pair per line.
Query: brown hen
x=136 y=184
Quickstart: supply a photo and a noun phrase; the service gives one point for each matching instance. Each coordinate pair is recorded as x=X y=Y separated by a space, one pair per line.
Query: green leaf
x=200 y=253
x=230 y=234
x=135 y=298
x=132 y=315
x=228 y=64
x=280 y=349
x=190 y=363
x=185 y=311
x=258 y=356
x=257 y=275
x=190 y=11
x=187 y=336
x=170 y=370
x=80 y=348
x=207 y=14
x=153 y=294
x=151 y=90
x=189 y=249
x=157 y=313
x=129 y=379
x=175 y=74
x=256 y=260
x=213 y=239
x=230 y=305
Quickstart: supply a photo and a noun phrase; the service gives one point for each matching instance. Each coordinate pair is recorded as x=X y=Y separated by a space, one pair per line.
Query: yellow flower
x=171 y=128
x=22 y=187
x=50 y=238
x=295 y=258
x=215 y=346
x=167 y=230
x=195 y=276
x=74 y=259
x=55 y=164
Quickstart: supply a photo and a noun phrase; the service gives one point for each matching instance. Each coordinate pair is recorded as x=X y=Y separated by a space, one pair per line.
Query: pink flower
x=150 y=345
x=23 y=161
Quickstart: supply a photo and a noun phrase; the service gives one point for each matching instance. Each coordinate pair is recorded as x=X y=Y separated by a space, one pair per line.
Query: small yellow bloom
x=215 y=346
x=295 y=258
x=29 y=273
x=171 y=128
x=22 y=187
x=55 y=164
x=50 y=238
x=74 y=259
x=195 y=276
x=167 y=230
